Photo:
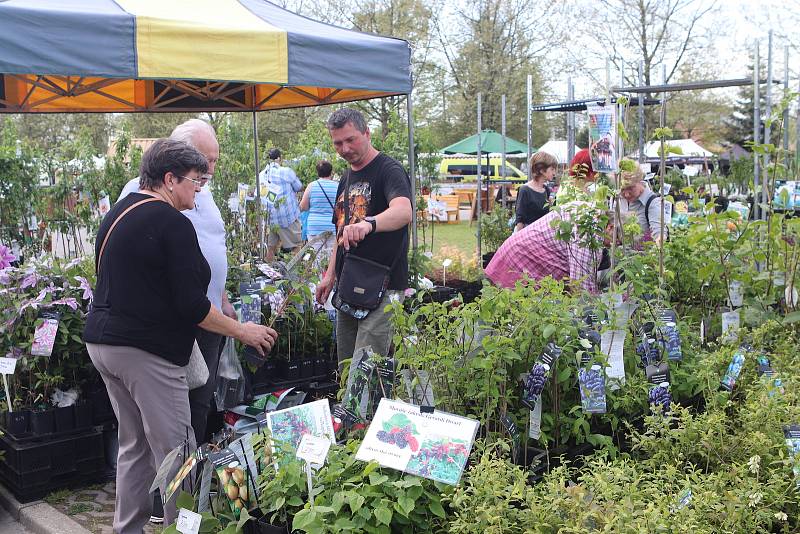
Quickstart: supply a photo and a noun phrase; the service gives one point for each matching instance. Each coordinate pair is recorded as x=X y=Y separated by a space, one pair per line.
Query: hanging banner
x=602 y=135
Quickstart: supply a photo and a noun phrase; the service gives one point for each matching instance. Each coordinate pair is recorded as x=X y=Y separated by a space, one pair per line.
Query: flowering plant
x=45 y=284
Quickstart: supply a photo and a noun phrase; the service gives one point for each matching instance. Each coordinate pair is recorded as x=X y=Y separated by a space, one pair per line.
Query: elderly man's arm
x=656 y=224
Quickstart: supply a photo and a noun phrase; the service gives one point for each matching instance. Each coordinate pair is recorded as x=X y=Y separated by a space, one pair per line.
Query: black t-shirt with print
x=371 y=190
x=531 y=205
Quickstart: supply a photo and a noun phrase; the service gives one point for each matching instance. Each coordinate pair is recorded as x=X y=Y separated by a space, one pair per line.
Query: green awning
x=491 y=141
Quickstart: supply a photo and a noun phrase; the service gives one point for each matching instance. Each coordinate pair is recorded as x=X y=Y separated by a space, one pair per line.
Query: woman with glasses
x=150 y=298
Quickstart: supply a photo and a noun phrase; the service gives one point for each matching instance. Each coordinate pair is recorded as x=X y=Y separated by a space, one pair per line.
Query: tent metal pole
x=756 y=134
x=608 y=81
x=621 y=117
x=662 y=121
x=529 y=128
x=570 y=123
x=786 y=108
x=797 y=133
x=479 y=180
x=258 y=184
x=412 y=175
x=503 y=159
x=641 y=114
x=767 y=126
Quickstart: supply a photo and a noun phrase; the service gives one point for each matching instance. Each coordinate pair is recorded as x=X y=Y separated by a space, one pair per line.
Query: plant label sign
x=8 y=365
x=612 y=343
x=792 y=435
x=730 y=325
x=313 y=449
x=736 y=293
x=430 y=445
x=44 y=337
x=188 y=522
x=728 y=381
x=291 y=424
x=592 y=384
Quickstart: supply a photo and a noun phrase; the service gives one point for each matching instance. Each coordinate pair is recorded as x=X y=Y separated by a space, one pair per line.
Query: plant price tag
x=313 y=449
x=535 y=430
x=188 y=521
x=8 y=365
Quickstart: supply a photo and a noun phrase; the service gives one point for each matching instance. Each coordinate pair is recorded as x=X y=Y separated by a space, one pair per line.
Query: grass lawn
x=460 y=235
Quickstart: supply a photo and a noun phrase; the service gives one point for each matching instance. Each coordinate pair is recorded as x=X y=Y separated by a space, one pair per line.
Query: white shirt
x=207 y=221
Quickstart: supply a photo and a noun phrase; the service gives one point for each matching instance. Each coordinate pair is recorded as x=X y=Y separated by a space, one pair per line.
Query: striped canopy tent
x=189 y=56
x=186 y=55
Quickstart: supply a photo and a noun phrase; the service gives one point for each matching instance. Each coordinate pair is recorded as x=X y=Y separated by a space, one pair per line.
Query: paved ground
x=91 y=507
x=8 y=525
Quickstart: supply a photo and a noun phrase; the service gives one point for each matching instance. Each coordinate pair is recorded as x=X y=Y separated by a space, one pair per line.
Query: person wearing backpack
x=644 y=203
x=533 y=198
x=318 y=200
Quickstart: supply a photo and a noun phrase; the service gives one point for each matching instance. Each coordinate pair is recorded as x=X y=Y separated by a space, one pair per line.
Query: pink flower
x=409 y=292
x=6 y=257
x=5 y=276
x=87 y=288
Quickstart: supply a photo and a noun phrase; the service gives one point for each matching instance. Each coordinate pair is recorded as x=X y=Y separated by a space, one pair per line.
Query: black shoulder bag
x=361 y=282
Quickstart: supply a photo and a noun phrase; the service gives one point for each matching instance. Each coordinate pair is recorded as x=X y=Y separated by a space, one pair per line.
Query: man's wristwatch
x=371 y=221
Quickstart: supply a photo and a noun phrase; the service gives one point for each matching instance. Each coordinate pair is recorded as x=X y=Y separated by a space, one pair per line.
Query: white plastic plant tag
x=736 y=293
x=8 y=365
x=188 y=521
x=535 y=430
x=612 y=343
x=313 y=449
x=730 y=325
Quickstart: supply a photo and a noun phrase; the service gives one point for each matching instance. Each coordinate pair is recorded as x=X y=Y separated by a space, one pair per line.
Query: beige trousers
x=150 y=398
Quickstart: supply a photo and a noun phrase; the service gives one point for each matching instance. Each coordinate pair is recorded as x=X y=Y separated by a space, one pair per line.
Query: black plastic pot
x=64 y=419
x=321 y=366
x=17 y=423
x=252 y=357
x=487 y=258
x=290 y=369
x=263 y=526
x=42 y=421
x=102 y=412
x=307 y=367
x=83 y=414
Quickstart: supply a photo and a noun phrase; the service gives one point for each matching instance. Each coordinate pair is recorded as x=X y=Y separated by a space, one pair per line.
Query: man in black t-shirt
x=379 y=197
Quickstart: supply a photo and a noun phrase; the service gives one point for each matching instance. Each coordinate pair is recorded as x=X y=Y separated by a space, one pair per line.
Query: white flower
x=780 y=516
x=755 y=498
x=754 y=463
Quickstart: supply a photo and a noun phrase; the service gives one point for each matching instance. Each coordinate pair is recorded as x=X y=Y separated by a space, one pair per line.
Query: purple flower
x=5 y=276
x=87 y=288
x=6 y=257
x=30 y=280
x=69 y=301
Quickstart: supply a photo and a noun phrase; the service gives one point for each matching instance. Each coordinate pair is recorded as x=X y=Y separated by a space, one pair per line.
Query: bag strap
x=121 y=215
x=326 y=194
x=647 y=209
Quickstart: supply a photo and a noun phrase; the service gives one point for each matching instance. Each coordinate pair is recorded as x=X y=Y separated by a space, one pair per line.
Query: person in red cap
x=581 y=173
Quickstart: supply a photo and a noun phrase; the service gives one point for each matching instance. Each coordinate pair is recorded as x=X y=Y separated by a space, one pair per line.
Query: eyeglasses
x=201 y=182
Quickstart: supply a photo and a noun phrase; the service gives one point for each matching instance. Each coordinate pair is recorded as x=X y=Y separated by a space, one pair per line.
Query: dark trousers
x=200 y=398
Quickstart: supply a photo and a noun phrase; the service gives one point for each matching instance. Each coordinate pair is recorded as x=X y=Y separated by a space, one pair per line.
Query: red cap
x=582 y=157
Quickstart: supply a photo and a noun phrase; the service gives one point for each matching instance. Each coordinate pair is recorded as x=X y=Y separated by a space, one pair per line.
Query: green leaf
x=792 y=317
x=356 y=501
x=185 y=500
x=383 y=515
x=244 y=517
x=407 y=504
x=304 y=519
x=548 y=331
x=437 y=509
x=376 y=479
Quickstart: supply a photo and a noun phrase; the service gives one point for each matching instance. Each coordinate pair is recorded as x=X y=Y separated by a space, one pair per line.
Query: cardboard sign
x=430 y=445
